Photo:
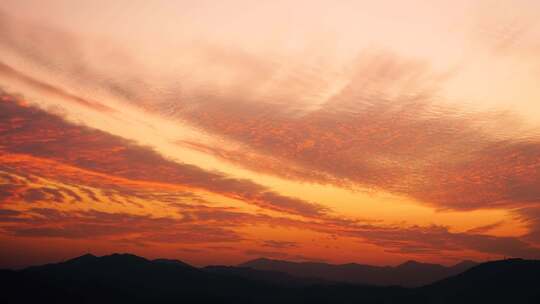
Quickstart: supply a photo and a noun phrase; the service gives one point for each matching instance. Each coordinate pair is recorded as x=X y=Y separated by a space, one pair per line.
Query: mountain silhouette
x=268 y=276
x=505 y=281
x=126 y=278
x=408 y=274
x=177 y=263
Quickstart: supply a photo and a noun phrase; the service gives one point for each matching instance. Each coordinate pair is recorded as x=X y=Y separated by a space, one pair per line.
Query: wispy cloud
x=43 y=135
x=384 y=130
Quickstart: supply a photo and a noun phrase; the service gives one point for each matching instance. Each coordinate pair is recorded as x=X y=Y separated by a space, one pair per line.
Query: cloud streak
x=47 y=136
x=384 y=130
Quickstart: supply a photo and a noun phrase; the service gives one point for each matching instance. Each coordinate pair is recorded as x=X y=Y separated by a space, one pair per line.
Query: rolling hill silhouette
x=125 y=278
x=505 y=281
x=409 y=274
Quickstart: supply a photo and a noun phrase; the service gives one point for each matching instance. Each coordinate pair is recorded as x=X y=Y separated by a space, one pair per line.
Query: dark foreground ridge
x=125 y=278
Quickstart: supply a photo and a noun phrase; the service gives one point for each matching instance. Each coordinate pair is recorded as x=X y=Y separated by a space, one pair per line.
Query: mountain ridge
x=125 y=278
x=408 y=274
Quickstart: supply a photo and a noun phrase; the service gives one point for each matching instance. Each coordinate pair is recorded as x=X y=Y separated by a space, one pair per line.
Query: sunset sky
x=221 y=131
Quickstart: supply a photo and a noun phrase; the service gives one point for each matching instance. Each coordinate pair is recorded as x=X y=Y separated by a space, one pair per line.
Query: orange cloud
x=43 y=135
x=7 y=71
x=383 y=130
x=91 y=166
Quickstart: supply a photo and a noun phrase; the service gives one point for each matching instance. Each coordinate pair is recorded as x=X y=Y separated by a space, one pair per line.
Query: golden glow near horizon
x=366 y=131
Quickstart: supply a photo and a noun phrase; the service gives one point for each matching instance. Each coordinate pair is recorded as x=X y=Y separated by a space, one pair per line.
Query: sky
x=217 y=132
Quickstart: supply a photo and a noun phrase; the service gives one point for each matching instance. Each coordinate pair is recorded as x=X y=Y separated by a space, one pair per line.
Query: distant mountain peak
x=172 y=262
x=259 y=261
x=123 y=256
x=83 y=258
x=87 y=256
x=416 y=264
x=410 y=262
x=466 y=263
